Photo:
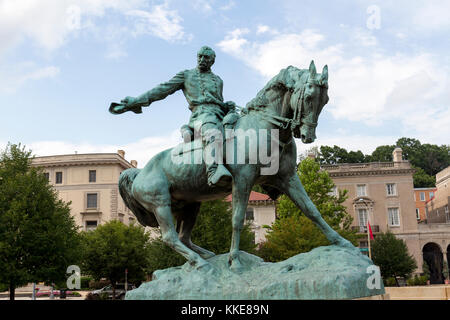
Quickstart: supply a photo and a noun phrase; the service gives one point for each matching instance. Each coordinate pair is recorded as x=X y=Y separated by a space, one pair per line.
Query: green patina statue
x=203 y=92
x=287 y=107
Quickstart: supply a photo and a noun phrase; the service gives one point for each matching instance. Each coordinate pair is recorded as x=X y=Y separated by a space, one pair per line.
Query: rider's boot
x=217 y=174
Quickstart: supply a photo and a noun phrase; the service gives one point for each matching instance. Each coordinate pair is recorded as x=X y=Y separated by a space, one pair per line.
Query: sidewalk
x=23 y=295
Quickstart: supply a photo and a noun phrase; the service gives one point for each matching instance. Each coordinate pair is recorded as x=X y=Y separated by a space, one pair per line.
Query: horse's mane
x=284 y=80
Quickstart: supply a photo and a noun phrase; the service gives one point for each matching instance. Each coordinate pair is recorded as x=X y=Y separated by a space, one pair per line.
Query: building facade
x=421 y=197
x=384 y=194
x=90 y=183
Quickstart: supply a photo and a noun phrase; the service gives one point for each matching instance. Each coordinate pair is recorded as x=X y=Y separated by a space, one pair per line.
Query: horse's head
x=309 y=96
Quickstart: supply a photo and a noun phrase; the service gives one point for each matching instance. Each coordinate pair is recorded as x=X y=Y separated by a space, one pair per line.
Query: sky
x=62 y=62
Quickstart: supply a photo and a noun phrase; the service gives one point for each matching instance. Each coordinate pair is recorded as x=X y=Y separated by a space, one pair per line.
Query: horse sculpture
x=290 y=104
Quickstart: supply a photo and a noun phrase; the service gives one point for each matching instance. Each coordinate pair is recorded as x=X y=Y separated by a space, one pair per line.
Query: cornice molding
x=371 y=172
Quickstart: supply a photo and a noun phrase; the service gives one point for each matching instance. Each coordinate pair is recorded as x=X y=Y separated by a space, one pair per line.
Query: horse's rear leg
x=185 y=223
x=293 y=188
x=165 y=219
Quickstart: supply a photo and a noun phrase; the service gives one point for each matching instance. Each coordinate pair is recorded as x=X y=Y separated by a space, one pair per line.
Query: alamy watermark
x=74 y=280
x=241 y=147
x=374 y=280
x=374 y=19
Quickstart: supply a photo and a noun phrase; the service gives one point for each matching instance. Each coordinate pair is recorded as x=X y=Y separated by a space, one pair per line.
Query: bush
x=389 y=282
x=417 y=280
x=3 y=287
x=84 y=281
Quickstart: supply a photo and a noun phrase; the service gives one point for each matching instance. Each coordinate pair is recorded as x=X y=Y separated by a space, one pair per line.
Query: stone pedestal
x=323 y=273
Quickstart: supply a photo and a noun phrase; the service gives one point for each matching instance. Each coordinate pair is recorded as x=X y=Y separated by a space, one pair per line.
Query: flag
x=369 y=229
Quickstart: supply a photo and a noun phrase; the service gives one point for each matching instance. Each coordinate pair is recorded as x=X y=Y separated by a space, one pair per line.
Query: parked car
x=107 y=292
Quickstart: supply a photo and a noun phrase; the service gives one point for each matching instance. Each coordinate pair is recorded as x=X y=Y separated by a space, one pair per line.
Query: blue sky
x=63 y=61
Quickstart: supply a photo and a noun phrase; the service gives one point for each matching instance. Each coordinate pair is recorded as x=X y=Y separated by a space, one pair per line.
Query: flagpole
x=368 y=239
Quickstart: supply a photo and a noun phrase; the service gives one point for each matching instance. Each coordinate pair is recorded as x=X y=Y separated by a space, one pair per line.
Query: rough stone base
x=323 y=273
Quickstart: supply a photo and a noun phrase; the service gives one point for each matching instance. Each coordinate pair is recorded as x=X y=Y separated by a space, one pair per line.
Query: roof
x=254 y=196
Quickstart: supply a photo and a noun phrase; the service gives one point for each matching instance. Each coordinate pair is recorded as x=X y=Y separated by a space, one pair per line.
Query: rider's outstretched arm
x=161 y=91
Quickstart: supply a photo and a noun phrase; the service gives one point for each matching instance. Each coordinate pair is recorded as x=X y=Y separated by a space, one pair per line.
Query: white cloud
x=160 y=22
x=14 y=77
x=141 y=151
x=373 y=88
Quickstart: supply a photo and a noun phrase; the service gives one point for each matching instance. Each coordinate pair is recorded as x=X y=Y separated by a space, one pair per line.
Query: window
x=391 y=189
x=249 y=215
x=47 y=176
x=422 y=196
x=431 y=194
x=91 y=225
x=92 y=175
x=394 y=219
x=361 y=190
x=363 y=218
x=58 y=178
x=417 y=213
x=91 y=201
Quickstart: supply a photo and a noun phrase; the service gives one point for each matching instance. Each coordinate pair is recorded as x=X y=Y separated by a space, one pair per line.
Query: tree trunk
x=396 y=281
x=12 y=291
x=114 y=292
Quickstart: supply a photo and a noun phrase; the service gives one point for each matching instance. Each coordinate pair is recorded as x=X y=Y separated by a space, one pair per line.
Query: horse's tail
x=145 y=217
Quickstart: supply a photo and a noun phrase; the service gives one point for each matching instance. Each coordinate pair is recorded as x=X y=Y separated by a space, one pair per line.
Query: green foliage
x=445 y=270
x=422 y=179
x=113 y=247
x=84 y=281
x=427 y=159
x=335 y=155
x=389 y=282
x=417 y=281
x=391 y=255
x=293 y=233
x=426 y=270
x=38 y=236
x=212 y=231
x=382 y=154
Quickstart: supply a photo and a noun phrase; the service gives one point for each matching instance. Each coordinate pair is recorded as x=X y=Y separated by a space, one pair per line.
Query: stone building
x=383 y=194
x=436 y=227
x=421 y=197
x=90 y=182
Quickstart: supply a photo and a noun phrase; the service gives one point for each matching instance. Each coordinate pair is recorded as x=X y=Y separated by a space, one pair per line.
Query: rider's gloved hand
x=132 y=104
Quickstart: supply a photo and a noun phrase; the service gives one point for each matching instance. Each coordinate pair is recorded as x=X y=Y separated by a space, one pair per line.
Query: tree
x=112 y=248
x=391 y=255
x=212 y=231
x=293 y=233
x=38 y=237
x=382 y=154
x=422 y=179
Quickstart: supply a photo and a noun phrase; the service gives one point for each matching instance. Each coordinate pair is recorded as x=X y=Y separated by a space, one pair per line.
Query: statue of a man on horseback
x=287 y=107
x=203 y=91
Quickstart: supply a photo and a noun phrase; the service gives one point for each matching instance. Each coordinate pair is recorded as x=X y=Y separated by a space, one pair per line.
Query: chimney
x=397 y=155
x=121 y=153
x=134 y=163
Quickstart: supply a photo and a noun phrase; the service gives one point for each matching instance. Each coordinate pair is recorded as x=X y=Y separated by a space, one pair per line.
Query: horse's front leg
x=241 y=192
x=293 y=188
